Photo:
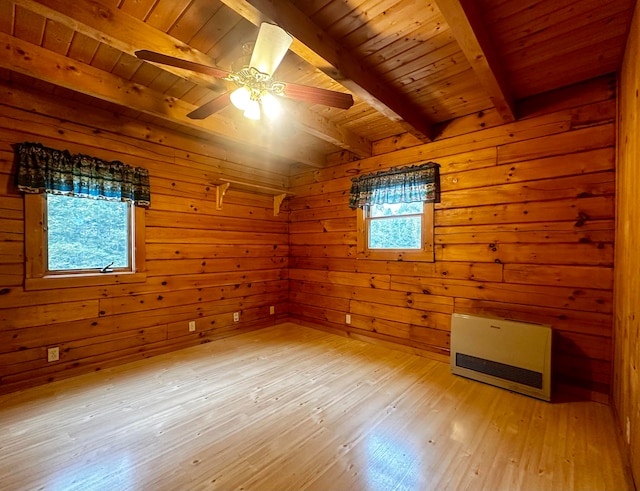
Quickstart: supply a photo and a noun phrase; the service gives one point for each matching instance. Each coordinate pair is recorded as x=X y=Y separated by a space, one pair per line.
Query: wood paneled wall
x=626 y=388
x=525 y=230
x=201 y=265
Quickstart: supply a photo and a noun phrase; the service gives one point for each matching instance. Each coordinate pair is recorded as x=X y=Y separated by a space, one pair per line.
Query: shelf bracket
x=277 y=201
x=220 y=192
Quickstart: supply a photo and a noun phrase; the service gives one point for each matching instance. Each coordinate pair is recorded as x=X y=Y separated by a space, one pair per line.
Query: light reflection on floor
x=458 y=432
x=109 y=473
x=391 y=464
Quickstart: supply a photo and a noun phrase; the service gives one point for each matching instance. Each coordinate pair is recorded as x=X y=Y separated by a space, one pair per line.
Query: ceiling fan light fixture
x=270 y=106
x=252 y=111
x=241 y=97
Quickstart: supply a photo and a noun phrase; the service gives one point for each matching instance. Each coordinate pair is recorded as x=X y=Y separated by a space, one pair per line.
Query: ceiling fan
x=257 y=92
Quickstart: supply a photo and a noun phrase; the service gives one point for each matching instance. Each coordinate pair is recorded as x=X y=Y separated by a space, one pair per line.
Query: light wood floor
x=296 y=408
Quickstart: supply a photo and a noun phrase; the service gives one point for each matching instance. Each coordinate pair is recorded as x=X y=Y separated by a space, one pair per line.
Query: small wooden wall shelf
x=278 y=194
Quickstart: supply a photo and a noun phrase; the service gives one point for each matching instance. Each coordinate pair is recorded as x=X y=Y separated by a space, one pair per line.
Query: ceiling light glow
x=241 y=98
x=270 y=106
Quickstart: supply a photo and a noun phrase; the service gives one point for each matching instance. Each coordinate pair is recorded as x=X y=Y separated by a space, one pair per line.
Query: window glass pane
x=387 y=210
x=396 y=233
x=87 y=233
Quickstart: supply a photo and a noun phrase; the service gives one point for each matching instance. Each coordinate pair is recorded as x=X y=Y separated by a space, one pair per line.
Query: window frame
x=425 y=253
x=37 y=276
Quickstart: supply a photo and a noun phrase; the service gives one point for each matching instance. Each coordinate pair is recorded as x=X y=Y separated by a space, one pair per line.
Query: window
x=60 y=254
x=84 y=219
x=88 y=234
x=395 y=212
x=394 y=226
x=396 y=232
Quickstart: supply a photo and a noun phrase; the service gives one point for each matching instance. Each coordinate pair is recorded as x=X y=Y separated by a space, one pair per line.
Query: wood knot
x=102 y=12
x=582 y=219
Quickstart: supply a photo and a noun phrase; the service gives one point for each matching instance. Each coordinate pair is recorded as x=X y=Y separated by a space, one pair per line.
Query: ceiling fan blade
x=180 y=63
x=210 y=107
x=271 y=46
x=316 y=95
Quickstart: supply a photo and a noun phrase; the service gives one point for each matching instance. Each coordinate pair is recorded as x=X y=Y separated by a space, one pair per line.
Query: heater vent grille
x=507 y=372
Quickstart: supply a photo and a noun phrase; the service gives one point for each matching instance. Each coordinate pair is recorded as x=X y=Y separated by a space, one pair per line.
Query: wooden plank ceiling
x=408 y=63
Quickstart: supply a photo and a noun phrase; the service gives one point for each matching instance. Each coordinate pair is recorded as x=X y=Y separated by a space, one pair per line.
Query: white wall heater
x=506 y=353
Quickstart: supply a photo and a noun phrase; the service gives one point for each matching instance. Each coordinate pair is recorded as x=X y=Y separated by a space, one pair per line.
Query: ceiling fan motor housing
x=256 y=82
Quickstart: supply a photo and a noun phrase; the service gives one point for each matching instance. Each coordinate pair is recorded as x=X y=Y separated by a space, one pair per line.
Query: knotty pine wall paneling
x=202 y=264
x=525 y=230
x=626 y=381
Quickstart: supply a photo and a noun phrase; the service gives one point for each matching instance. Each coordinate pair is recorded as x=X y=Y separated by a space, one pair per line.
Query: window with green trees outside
x=395 y=226
x=87 y=234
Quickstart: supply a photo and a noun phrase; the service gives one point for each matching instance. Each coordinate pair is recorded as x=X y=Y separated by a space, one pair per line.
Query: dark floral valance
x=42 y=169
x=404 y=185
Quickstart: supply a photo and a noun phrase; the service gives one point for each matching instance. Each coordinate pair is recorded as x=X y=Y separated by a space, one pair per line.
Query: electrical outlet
x=628 y=432
x=236 y=316
x=348 y=319
x=192 y=326
x=53 y=354
x=272 y=310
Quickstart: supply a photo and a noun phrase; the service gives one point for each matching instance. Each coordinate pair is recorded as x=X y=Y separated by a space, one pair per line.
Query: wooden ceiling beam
x=338 y=135
x=42 y=64
x=313 y=45
x=468 y=29
x=127 y=34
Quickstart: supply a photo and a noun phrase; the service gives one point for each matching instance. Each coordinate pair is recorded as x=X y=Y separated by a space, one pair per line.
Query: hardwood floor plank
x=288 y=407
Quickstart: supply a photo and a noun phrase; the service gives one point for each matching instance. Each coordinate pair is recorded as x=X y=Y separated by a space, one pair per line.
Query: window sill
x=80 y=280
x=395 y=255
